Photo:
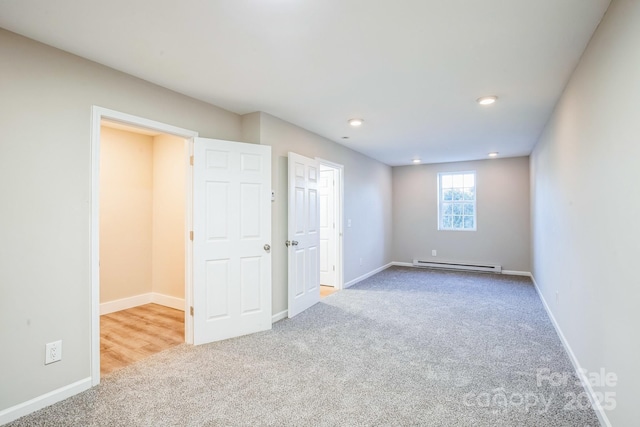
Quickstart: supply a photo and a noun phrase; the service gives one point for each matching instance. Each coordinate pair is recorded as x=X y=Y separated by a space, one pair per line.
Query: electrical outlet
x=53 y=352
x=360 y=261
x=434 y=253
x=557 y=296
x=349 y=223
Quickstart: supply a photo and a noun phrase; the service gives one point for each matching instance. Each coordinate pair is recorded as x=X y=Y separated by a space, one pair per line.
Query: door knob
x=288 y=243
x=267 y=247
x=294 y=243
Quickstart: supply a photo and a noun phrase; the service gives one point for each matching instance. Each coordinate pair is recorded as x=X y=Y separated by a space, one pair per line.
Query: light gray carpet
x=406 y=347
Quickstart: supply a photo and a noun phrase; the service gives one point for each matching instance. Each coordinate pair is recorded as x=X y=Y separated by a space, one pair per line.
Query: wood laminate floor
x=325 y=291
x=130 y=335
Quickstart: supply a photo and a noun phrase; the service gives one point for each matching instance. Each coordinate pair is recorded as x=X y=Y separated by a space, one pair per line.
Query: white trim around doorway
x=97 y=115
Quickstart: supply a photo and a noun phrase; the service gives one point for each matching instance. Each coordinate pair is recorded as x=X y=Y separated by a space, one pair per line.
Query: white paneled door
x=304 y=234
x=326 y=190
x=231 y=238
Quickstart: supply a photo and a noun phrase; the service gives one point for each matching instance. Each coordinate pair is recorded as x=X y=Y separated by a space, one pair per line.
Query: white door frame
x=97 y=115
x=339 y=215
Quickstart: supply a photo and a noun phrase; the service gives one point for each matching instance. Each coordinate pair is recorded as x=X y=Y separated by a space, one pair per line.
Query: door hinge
x=191 y=310
x=191 y=236
x=191 y=160
x=334 y=268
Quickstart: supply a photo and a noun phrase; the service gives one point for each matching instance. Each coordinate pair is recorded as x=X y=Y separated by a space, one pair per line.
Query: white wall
x=45 y=188
x=367 y=200
x=585 y=207
x=502 y=235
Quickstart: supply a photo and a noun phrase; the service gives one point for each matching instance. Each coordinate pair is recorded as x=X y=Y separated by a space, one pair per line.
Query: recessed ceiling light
x=356 y=122
x=493 y=154
x=416 y=161
x=345 y=137
x=487 y=100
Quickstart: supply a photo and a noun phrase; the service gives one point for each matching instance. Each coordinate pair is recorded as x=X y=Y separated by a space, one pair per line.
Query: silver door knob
x=288 y=243
x=294 y=243
x=267 y=247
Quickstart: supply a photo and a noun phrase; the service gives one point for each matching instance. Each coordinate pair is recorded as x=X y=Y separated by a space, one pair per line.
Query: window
x=457 y=201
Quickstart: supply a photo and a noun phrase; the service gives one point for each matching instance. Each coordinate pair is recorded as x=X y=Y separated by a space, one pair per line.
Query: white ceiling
x=412 y=69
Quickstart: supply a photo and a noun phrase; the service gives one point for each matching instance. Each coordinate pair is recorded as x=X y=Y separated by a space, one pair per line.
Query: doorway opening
x=142 y=247
x=330 y=200
x=141 y=256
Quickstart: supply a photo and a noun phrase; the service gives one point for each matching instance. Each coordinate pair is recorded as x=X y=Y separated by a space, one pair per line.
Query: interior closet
x=142 y=243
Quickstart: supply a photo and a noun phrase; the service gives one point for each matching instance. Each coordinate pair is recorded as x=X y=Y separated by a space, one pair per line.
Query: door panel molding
x=231 y=227
x=303 y=233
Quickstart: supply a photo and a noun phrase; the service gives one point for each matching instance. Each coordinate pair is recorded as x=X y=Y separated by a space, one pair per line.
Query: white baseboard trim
x=47 y=399
x=367 y=275
x=167 y=301
x=136 y=300
x=516 y=273
x=279 y=316
x=595 y=403
x=124 y=303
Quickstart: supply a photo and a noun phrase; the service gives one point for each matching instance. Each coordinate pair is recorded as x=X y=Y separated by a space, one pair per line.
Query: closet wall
x=142 y=199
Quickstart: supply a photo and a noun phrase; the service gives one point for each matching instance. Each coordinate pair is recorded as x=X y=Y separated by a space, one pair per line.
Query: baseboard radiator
x=453 y=265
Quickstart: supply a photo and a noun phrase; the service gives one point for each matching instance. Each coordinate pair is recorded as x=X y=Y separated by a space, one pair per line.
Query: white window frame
x=474 y=202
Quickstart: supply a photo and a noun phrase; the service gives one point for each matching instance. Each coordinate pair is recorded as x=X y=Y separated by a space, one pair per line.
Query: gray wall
x=45 y=188
x=586 y=209
x=367 y=200
x=502 y=234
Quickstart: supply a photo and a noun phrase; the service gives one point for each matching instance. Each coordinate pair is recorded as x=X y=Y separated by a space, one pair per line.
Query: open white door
x=304 y=234
x=231 y=238
x=326 y=190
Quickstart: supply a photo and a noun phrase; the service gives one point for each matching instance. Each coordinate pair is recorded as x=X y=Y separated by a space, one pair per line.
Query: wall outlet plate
x=53 y=352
